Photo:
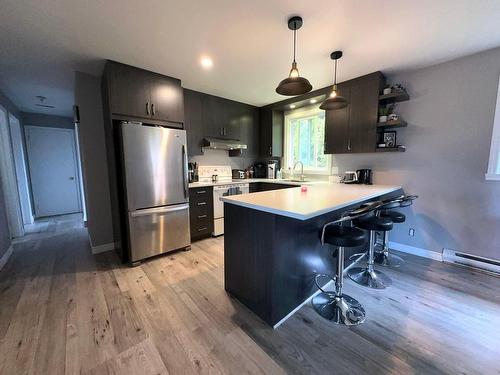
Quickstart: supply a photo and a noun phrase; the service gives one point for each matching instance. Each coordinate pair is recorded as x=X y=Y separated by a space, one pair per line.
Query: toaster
x=238 y=174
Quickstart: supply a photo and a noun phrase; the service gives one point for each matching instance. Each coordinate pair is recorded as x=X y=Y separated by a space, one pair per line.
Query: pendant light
x=294 y=84
x=334 y=101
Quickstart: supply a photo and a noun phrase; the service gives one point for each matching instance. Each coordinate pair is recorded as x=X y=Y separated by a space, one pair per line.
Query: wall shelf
x=394 y=97
x=390 y=149
x=391 y=125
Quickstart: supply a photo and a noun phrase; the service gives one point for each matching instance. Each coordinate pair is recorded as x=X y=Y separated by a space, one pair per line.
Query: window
x=305 y=140
x=494 y=161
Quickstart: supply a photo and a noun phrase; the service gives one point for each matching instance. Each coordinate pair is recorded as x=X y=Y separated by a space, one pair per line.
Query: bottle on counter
x=279 y=174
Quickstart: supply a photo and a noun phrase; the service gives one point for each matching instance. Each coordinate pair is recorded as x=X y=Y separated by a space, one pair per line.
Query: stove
x=221 y=176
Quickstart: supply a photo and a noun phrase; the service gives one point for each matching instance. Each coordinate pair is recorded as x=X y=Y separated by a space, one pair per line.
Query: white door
x=20 y=165
x=8 y=178
x=52 y=164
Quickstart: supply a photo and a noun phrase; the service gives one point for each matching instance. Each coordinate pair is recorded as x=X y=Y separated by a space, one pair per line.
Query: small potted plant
x=383 y=112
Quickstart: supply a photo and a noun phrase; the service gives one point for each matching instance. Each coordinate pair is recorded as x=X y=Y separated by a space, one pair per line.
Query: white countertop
x=320 y=198
x=250 y=180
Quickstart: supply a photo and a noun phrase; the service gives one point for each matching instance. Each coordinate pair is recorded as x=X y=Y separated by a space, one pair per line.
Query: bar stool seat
x=374 y=223
x=395 y=216
x=344 y=236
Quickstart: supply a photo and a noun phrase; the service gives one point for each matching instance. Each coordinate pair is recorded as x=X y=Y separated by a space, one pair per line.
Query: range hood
x=223 y=144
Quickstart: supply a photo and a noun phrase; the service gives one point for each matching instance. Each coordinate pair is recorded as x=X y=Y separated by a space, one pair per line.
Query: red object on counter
x=303 y=188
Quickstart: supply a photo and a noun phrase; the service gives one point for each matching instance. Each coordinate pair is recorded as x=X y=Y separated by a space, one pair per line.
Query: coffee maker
x=364 y=176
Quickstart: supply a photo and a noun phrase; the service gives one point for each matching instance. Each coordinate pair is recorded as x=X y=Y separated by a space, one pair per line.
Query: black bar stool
x=336 y=306
x=368 y=276
x=384 y=257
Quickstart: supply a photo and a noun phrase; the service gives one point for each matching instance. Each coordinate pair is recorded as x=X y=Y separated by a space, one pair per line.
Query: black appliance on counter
x=193 y=172
x=260 y=170
x=238 y=174
x=364 y=176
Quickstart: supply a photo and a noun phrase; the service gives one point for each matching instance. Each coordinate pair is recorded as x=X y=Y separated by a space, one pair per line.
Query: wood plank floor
x=65 y=311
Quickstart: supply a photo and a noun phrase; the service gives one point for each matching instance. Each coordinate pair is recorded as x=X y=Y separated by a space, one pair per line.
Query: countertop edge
x=315 y=213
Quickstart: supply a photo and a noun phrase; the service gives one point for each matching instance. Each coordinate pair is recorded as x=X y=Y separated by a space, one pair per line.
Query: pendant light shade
x=294 y=84
x=334 y=100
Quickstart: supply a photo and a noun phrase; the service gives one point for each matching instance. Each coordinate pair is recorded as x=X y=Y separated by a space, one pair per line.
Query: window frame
x=493 y=172
x=308 y=111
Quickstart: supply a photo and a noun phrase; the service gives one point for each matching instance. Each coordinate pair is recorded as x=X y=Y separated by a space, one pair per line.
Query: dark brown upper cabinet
x=354 y=129
x=271 y=132
x=193 y=121
x=145 y=96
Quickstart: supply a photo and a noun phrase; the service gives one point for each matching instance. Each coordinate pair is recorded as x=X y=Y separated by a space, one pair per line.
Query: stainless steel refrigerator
x=156 y=189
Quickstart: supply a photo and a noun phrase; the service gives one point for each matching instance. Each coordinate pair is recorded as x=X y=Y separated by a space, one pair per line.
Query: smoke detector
x=42 y=99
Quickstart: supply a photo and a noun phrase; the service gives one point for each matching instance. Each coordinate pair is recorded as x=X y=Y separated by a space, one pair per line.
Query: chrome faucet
x=301 y=169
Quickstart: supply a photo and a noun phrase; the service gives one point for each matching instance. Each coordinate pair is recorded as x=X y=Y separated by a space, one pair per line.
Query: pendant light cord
x=294 y=40
x=335 y=74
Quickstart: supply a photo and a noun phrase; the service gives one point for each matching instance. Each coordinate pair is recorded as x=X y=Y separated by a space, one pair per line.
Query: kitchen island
x=271 y=243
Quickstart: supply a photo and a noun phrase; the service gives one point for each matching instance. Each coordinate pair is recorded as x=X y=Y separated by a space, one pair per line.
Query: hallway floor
x=66 y=311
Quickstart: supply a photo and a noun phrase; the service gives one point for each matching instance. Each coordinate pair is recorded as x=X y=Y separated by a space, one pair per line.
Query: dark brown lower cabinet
x=266 y=186
x=201 y=212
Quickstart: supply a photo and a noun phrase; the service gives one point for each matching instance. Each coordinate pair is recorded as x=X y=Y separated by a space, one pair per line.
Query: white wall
x=450 y=119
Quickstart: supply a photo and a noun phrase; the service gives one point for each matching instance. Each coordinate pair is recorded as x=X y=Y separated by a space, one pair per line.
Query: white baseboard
x=103 y=248
x=4 y=259
x=424 y=253
x=302 y=304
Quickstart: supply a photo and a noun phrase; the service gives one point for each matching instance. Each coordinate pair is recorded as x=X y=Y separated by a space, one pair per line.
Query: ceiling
x=42 y=42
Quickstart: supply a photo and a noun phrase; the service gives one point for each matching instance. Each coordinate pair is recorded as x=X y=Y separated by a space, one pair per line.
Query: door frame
x=29 y=129
x=21 y=170
x=9 y=180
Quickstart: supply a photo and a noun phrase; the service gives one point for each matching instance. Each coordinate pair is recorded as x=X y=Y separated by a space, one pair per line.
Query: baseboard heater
x=456 y=257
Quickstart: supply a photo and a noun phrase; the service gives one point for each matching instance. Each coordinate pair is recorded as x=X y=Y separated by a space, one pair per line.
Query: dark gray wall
x=94 y=161
x=450 y=120
x=4 y=226
x=40 y=119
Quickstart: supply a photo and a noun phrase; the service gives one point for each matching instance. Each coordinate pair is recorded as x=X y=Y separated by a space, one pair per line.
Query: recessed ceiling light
x=292 y=106
x=206 y=62
x=312 y=101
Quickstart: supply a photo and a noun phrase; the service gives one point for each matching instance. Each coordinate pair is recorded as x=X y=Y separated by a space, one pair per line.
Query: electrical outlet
x=411 y=232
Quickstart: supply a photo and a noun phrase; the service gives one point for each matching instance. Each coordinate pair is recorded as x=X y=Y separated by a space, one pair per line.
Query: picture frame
x=389 y=138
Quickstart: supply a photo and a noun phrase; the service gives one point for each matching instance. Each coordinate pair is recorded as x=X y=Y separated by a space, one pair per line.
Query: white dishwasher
x=224 y=191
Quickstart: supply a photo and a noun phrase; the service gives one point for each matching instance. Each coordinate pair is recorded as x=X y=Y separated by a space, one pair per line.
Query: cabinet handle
x=202 y=216
x=270 y=150
x=225 y=131
x=147 y=108
x=202 y=229
x=349 y=145
x=201 y=192
x=201 y=203
x=153 y=108
x=220 y=131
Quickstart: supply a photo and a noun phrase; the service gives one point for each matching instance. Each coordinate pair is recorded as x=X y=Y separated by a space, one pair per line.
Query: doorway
x=8 y=178
x=18 y=152
x=53 y=170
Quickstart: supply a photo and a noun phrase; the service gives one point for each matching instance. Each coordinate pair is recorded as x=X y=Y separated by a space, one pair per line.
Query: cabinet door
x=211 y=116
x=271 y=132
x=363 y=115
x=337 y=126
x=129 y=91
x=166 y=99
x=234 y=115
x=249 y=130
x=193 y=121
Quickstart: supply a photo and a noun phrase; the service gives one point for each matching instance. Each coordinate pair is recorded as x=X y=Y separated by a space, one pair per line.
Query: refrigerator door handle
x=159 y=210
x=184 y=171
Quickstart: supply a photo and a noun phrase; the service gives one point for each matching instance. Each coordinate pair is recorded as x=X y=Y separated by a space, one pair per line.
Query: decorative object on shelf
x=294 y=84
x=334 y=101
x=397 y=88
x=393 y=117
x=384 y=112
x=389 y=138
x=387 y=90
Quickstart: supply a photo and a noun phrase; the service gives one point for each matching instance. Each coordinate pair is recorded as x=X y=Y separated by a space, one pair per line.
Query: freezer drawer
x=158 y=230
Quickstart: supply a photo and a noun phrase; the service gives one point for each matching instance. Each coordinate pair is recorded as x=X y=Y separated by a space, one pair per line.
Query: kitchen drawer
x=201 y=228
x=201 y=212
x=201 y=194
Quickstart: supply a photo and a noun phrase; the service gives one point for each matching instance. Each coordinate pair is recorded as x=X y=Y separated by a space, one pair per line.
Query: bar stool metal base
x=388 y=260
x=371 y=279
x=340 y=310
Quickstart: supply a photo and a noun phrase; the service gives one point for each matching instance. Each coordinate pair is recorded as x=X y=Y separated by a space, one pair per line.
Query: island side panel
x=247 y=258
